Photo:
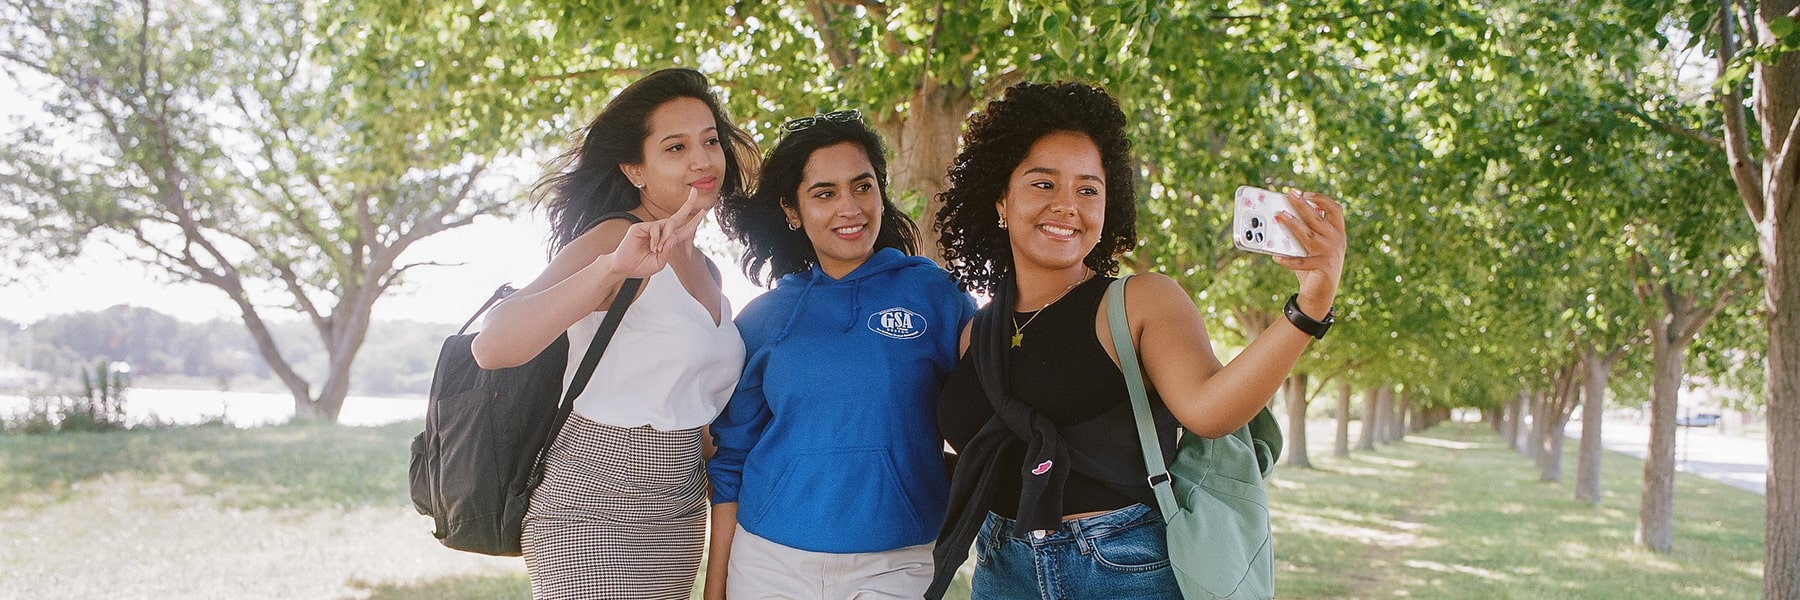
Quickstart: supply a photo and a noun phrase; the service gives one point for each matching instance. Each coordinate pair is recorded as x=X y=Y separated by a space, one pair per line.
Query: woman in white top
x=621 y=512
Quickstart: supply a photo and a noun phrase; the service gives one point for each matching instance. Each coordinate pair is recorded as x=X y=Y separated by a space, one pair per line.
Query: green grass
x=310 y=466
x=512 y=586
x=1455 y=513
x=313 y=511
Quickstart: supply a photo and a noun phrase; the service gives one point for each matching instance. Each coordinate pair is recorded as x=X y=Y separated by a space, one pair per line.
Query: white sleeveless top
x=668 y=366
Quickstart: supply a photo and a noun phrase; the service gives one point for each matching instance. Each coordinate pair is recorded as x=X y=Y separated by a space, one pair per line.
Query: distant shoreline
x=240 y=409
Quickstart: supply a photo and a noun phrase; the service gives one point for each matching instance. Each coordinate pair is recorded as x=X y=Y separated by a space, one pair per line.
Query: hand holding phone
x=1254 y=227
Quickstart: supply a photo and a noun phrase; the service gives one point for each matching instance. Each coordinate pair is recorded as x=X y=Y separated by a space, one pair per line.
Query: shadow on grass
x=472 y=587
x=302 y=465
x=1453 y=512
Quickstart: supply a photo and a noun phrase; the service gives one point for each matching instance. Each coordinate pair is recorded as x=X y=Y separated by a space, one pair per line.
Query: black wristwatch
x=1305 y=323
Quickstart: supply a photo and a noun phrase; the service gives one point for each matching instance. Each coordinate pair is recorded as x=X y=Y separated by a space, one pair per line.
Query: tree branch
x=1784 y=173
x=1001 y=81
x=302 y=301
x=589 y=73
x=1744 y=169
x=1669 y=128
x=1703 y=316
x=875 y=7
x=828 y=37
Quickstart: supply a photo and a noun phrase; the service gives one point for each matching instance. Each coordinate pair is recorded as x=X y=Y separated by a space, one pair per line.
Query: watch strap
x=1307 y=324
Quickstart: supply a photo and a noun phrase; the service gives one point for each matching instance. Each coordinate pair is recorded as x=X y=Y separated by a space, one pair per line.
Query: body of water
x=241 y=409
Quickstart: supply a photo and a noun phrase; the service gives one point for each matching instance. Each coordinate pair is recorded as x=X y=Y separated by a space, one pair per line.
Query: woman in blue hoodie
x=829 y=479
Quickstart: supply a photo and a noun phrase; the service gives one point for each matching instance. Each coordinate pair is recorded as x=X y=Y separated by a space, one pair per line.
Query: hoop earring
x=793 y=226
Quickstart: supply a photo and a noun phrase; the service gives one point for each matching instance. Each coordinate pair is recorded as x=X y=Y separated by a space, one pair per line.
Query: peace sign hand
x=648 y=246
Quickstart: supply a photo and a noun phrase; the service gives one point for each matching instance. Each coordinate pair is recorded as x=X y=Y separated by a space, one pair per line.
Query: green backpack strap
x=1154 y=464
x=1265 y=431
x=1265 y=438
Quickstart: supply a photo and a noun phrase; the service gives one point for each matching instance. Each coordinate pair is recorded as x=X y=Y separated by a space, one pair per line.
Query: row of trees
x=1545 y=197
x=158 y=349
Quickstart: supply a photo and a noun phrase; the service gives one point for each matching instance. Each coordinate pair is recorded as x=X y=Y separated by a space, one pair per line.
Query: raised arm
x=581 y=279
x=1213 y=399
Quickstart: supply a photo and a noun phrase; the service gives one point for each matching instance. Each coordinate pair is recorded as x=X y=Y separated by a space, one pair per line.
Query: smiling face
x=1055 y=203
x=838 y=203
x=683 y=151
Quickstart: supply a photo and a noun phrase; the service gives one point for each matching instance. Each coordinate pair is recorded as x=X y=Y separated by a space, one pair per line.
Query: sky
x=487 y=253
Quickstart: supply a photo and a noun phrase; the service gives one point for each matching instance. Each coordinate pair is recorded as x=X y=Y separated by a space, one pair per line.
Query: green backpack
x=1212 y=495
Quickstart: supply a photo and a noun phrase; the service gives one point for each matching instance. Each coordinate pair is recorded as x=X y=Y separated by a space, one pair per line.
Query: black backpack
x=488 y=431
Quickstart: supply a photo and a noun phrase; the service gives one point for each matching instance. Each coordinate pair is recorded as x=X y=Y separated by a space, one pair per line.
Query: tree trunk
x=1522 y=412
x=1656 y=516
x=1402 y=408
x=1770 y=195
x=1384 y=413
x=1509 y=423
x=1534 y=431
x=1341 y=447
x=1554 y=428
x=924 y=144
x=1781 y=268
x=1295 y=445
x=1540 y=431
x=1370 y=408
x=1593 y=414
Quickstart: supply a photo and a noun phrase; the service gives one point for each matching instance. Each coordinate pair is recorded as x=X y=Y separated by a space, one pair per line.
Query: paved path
x=1740 y=461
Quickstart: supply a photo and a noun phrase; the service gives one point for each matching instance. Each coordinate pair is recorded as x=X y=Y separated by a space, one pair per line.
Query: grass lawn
x=311 y=511
x=1455 y=513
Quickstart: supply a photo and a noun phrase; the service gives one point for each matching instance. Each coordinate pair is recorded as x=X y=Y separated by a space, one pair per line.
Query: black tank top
x=1061 y=370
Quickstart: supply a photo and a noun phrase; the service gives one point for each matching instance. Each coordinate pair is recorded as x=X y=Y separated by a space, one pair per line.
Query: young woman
x=621 y=512
x=829 y=479
x=1050 y=482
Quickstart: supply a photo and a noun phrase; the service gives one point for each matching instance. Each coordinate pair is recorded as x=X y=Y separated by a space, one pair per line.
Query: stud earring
x=640 y=186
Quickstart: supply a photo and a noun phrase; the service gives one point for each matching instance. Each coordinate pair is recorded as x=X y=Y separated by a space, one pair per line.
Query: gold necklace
x=1018 y=338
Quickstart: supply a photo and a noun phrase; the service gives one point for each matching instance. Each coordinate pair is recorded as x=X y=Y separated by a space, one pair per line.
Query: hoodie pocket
x=841 y=485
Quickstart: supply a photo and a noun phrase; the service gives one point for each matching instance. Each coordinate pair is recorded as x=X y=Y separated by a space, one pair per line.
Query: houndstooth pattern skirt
x=621 y=513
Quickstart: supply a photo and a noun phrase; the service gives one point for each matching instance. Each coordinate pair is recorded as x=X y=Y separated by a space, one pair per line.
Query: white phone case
x=1254 y=227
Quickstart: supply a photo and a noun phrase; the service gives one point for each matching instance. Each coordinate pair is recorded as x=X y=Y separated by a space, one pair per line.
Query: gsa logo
x=898 y=323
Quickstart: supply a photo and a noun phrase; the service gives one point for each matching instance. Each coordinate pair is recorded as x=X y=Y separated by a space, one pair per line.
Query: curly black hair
x=976 y=250
x=585 y=183
x=771 y=250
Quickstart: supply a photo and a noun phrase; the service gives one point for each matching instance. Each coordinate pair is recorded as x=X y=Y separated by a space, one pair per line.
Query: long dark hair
x=585 y=183
x=976 y=250
x=759 y=224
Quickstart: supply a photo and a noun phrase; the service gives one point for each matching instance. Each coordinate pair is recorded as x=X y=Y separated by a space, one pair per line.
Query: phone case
x=1254 y=227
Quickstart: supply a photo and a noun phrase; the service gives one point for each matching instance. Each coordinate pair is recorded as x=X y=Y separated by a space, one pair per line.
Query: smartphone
x=1254 y=227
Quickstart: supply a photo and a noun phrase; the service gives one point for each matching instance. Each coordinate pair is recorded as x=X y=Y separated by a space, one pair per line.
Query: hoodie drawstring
x=855 y=305
x=795 y=315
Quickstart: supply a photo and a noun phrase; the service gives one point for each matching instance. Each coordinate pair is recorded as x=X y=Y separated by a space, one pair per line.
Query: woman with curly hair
x=621 y=510
x=829 y=478
x=1050 y=483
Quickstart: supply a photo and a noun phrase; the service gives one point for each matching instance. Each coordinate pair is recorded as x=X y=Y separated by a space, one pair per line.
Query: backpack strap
x=1140 y=401
x=602 y=338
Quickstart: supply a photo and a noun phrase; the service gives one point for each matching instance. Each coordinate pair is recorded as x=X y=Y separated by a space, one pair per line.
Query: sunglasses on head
x=836 y=116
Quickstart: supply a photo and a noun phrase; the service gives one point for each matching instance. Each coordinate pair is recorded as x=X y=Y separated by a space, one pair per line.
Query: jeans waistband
x=1075 y=529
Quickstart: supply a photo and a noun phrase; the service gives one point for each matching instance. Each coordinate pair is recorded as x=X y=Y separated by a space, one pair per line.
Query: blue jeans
x=1119 y=554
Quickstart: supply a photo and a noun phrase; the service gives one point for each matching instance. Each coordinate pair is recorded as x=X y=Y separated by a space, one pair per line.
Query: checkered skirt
x=621 y=513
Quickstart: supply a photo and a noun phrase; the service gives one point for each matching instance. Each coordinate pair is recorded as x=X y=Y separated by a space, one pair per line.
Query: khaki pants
x=764 y=570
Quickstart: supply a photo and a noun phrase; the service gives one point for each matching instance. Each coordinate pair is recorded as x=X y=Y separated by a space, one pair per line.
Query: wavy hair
x=585 y=183
x=976 y=250
x=771 y=250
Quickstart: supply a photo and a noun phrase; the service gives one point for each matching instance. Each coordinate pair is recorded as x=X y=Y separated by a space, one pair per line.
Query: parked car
x=1699 y=420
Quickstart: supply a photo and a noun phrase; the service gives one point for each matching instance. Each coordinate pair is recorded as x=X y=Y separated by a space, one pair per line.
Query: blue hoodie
x=830 y=442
